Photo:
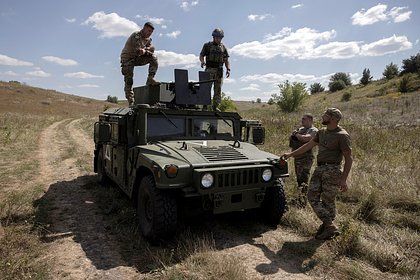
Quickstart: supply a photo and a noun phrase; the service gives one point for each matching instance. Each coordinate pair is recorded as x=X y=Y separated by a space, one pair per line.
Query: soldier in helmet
x=213 y=56
x=138 y=51
x=328 y=178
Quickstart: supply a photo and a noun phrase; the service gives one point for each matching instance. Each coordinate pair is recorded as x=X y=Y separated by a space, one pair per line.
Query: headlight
x=266 y=174
x=207 y=180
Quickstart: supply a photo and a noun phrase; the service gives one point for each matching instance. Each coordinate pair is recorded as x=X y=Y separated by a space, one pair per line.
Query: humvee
x=168 y=152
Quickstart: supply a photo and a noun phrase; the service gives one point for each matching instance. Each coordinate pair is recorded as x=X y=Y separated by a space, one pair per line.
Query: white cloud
x=9 y=73
x=111 y=25
x=379 y=13
x=60 y=61
x=392 y=44
x=81 y=75
x=251 y=87
x=38 y=73
x=173 y=34
x=70 y=20
x=167 y=58
x=7 y=60
x=187 y=5
x=258 y=17
x=88 y=86
x=285 y=43
x=297 y=6
x=399 y=14
x=154 y=20
x=306 y=43
x=275 y=78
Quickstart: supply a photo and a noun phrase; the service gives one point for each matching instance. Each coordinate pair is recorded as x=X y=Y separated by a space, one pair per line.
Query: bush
x=403 y=85
x=112 y=99
x=366 y=77
x=391 y=71
x=226 y=104
x=337 y=85
x=291 y=97
x=346 y=96
x=316 y=87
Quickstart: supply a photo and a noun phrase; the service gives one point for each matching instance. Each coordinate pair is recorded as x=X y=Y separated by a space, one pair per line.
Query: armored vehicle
x=168 y=152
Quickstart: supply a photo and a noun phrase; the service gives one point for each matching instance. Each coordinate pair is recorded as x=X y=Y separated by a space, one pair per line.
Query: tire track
x=78 y=242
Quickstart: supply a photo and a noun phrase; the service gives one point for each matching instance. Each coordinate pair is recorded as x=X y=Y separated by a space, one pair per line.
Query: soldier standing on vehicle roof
x=216 y=54
x=138 y=51
x=334 y=144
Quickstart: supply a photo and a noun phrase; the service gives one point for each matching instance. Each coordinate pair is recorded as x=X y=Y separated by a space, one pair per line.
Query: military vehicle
x=168 y=152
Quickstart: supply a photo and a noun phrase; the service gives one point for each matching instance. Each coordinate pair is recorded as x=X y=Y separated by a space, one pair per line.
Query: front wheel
x=274 y=204
x=156 y=209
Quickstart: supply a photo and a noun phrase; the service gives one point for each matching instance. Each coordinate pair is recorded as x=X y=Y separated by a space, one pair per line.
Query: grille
x=215 y=154
x=239 y=177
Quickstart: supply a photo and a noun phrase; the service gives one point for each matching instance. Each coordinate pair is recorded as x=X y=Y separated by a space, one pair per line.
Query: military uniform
x=325 y=181
x=215 y=55
x=303 y=163
x=130 y=57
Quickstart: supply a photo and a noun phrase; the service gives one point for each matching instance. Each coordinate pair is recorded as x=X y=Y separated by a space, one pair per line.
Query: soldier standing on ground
x=303 y=163
x=328 y=178
x=216 y=55
x=138 y=51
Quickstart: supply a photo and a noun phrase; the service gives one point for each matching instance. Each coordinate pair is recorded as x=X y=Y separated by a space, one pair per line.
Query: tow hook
x=217 y=200
x=260 y=197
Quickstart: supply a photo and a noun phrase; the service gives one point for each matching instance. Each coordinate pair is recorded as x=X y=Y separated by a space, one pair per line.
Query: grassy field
x=379 y=215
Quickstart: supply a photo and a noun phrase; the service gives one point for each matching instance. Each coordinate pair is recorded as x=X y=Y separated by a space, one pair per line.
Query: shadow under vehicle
x=169 y=152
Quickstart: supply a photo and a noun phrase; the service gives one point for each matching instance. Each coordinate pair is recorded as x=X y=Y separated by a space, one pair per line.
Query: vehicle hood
x=205 y=153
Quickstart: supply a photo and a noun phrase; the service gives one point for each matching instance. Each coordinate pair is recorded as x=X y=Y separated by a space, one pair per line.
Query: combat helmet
x=218 y=32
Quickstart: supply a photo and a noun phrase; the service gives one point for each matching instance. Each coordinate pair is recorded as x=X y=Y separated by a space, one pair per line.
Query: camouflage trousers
x=127 y=69
x=323 y=189
x=303 y=169
x=216 y=74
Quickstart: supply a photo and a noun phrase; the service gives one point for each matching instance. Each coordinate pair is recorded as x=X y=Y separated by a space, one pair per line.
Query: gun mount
x=178 y=93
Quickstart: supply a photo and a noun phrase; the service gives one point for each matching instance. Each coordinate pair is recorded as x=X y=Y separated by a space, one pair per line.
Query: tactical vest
x=215 y=54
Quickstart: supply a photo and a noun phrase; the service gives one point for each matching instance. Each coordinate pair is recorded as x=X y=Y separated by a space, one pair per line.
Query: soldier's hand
x=203 y=64
x=343 y=185
x=227 y=73
x=142 y=51
x=286 y=156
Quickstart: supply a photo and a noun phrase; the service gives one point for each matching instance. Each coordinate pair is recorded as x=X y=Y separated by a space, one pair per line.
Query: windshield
x=162 y=125
x=204 y=127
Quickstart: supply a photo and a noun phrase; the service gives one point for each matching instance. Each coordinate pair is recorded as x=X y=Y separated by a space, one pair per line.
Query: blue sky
x=74 y=46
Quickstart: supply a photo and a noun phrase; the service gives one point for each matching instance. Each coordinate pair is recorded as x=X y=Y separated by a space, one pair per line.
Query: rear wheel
x=100 y=168
x=274 y=204
x=157 y=210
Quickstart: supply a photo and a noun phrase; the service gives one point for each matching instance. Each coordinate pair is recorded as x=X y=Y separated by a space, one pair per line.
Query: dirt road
x=81 y=241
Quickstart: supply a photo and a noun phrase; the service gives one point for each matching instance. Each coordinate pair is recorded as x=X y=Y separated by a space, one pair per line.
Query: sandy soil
x=81 y=246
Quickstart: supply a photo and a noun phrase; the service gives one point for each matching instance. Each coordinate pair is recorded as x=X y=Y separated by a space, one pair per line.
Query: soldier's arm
x=304 y=137
x=301 y=150
x=348 y=161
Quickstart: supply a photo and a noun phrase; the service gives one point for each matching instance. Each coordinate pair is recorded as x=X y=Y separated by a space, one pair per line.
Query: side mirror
x=258 y=135
x=102 y=132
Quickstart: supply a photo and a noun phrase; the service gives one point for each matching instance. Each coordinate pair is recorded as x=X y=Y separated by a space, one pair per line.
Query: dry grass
x=379 y=215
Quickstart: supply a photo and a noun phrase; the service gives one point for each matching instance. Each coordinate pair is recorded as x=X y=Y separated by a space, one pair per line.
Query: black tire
x=274 y=204
x=156 y=209
x=100 y=168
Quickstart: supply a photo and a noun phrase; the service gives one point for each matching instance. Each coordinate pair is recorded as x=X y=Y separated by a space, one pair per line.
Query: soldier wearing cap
x=213 y=56
x=328 y=178
x=138 y=51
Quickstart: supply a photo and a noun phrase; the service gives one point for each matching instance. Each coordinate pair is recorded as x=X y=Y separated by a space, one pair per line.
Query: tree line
x=292 y=95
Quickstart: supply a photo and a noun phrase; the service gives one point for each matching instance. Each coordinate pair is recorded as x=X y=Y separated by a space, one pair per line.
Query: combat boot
x=151 y=81
x=330 y=231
